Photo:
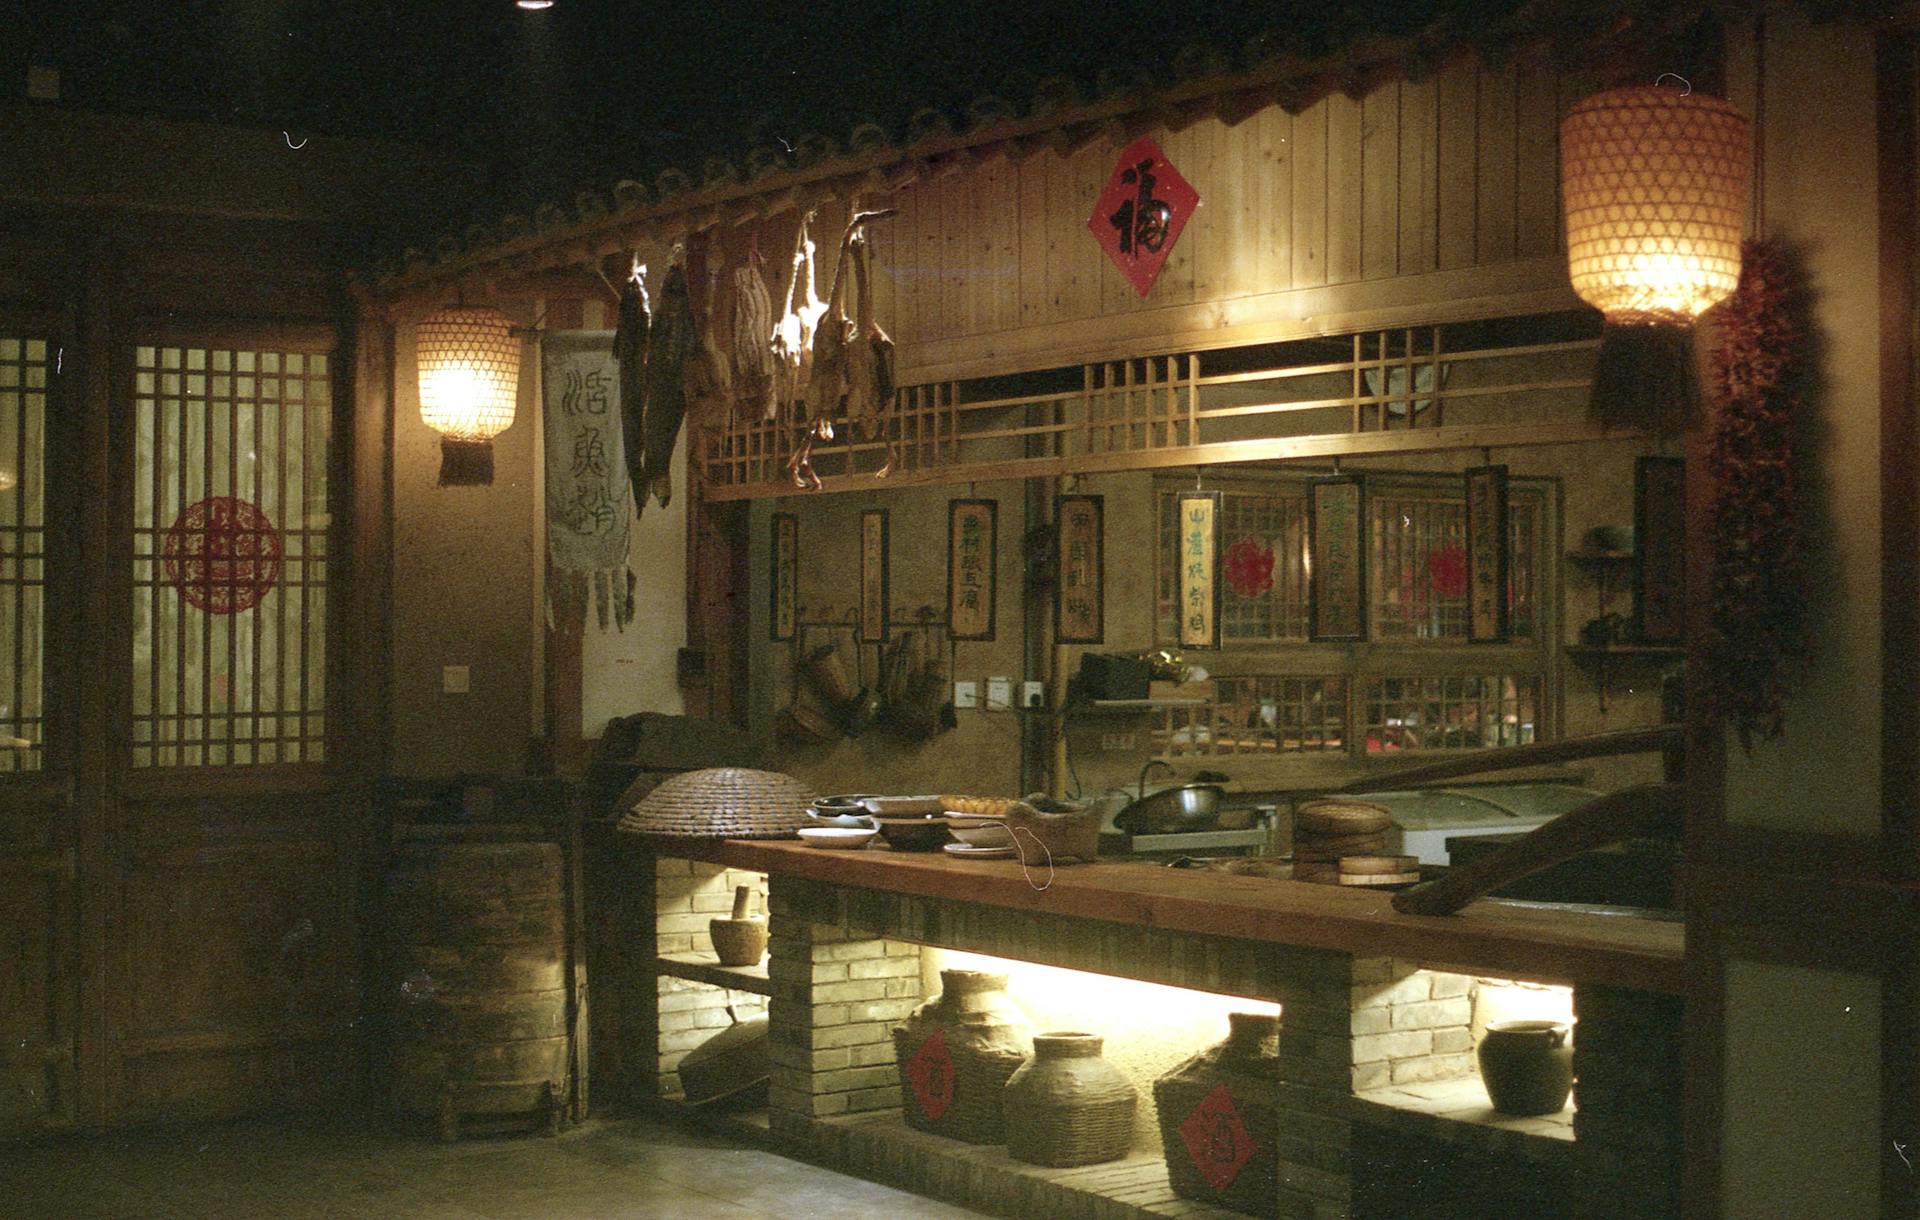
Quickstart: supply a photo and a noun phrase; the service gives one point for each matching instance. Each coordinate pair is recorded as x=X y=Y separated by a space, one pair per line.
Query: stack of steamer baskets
x=1344 y=842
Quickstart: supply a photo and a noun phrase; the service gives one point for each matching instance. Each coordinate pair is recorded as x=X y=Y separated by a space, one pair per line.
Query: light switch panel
x=966 y=694
x=455 y=679
x=999 y=694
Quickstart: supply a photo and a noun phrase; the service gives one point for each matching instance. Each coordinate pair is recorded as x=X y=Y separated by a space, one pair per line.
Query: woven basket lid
x=722 y=803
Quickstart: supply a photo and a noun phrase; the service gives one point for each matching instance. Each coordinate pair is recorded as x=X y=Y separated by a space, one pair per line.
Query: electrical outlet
x=1116 y=743
x=966 y=694
x=999 y=694
x=455 y=679
x=1033 y=694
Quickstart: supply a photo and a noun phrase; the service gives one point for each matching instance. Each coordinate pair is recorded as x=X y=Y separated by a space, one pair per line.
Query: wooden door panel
x=36 y=992
x=239 y=956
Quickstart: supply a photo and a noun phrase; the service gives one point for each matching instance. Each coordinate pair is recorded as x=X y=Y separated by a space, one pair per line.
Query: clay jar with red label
x=956 y=1052
x=1217 y=1119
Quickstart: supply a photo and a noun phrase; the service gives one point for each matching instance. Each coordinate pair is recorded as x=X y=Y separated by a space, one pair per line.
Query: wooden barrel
x=476 y=979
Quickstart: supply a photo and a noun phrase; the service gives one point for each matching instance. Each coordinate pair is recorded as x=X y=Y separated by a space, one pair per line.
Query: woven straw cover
x=1655 y=185
x=722 y=803
x=469 y=372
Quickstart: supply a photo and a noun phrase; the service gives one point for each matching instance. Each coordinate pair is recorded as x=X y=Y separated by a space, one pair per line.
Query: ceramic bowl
x=978 y=831
x=914 y=833
x=842 y=837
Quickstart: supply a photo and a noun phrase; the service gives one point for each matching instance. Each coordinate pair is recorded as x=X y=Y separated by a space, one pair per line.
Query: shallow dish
x=842 y=837
x=844 y=821
x=979 y=853
x=975 y=831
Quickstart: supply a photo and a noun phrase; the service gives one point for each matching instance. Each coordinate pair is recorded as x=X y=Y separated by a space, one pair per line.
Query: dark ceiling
x=590 y=91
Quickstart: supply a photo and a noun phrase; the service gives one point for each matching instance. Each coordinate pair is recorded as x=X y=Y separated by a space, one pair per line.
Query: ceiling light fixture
x=533 y=6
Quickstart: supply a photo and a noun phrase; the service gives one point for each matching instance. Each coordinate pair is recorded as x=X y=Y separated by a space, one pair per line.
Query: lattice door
x=229 y=556
x=24 y=371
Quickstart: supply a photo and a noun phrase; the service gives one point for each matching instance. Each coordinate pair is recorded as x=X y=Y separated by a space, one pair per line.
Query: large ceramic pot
x=956 y=1053
x=1527 y=1066
x=1067 y=1105
x=1217 y=1121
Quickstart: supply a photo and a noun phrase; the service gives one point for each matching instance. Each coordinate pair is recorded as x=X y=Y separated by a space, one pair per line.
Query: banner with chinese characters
x=873 y=576
x=1487 y=554
x=588 y=509
x=972 y=543
x=1141 y=211
x=1080 y=606
x=785 y=575
x=1199 y=586
x=1337 y=583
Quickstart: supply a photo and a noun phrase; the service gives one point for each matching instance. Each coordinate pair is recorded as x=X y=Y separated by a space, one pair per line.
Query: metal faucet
x=1140 y=789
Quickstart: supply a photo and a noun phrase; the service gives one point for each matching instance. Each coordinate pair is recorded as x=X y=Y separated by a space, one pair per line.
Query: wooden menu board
x=1080 y=605
x=1337 y=587
x=873 y=576
x=972 y=571
x=1199 y=585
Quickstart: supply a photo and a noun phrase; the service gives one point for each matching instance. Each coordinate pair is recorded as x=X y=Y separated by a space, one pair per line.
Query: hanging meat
x=669 y=348
x=753 y=360
x=793 y=332
x=709 y=382
x=630 y=349
x=827 y=385
x=870 y=371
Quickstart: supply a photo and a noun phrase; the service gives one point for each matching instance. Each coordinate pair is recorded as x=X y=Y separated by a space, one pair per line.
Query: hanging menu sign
x=786 y=567
x=1199 y=587
x=873 y=576
x=972 y=544
x=1080 y=610
x=1337 y=590
x=1487 y=554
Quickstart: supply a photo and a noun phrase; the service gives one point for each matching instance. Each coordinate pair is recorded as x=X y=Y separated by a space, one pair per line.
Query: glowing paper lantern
x=1654 y=181
x=469 y=377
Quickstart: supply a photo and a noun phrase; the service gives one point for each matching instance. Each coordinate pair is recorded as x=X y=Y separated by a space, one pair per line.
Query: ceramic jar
x=1067 y=1105
x=956 y=1053
x=1217 y=1120
x=1527 y=1066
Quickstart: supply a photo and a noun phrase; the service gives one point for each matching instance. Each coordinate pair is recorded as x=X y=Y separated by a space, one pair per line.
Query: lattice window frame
x=30 y=355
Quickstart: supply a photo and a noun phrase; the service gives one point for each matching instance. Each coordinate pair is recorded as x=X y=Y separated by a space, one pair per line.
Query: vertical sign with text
x=973 y=532
x=1487 y=596
x=1080 y=606
x=786 y=568
x=873 y=576
x=1336 y=585
x=1199 y=586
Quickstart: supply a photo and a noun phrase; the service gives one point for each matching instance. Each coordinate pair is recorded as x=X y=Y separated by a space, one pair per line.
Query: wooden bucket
x=476 y=980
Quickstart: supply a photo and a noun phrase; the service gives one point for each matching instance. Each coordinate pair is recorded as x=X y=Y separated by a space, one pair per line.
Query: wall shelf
x=706 y=968
x=1603 y=659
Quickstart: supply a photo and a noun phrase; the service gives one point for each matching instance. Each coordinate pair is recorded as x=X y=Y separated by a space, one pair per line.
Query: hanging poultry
x=870 y=373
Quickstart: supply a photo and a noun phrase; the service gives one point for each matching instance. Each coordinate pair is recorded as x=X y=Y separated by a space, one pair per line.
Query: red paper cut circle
x=1217 y=1139
x=1447 y=568
x=223 y=555
x=930 y=1073
x=1141 y=211
x=1249 y=567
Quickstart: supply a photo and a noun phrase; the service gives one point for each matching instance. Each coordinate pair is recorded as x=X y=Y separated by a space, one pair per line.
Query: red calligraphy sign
x=930 y=1073
x=1216 y=1138
x=223 y=555
x=1141 y=211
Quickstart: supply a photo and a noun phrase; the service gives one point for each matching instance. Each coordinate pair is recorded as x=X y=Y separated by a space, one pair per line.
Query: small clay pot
x=1527 y=1066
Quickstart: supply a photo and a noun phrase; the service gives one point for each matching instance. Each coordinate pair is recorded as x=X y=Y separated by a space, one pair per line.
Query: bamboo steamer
x=1067 y=1105
x=956 y=1052
x=1218 y=1120
x=476 y=980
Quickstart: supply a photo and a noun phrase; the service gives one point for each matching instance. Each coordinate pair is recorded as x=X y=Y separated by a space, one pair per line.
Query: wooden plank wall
x=1459 y=171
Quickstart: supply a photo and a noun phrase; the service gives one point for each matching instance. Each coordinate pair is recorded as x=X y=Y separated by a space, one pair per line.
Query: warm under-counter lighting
x=469 y=377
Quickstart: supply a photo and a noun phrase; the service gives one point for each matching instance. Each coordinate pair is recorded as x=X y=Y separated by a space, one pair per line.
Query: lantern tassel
x=1645 y=379
x=465 y=463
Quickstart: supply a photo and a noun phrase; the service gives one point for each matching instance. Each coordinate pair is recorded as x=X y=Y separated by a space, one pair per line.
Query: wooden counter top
x=1486 y=938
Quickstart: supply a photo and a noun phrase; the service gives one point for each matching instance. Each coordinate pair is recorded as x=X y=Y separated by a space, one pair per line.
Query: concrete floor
x=340 y=1166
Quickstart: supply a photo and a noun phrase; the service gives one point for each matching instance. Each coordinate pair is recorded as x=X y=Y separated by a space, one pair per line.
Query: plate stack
x=1326 y=830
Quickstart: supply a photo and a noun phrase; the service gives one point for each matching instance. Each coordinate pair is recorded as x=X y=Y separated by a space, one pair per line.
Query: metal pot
x=1186 y=807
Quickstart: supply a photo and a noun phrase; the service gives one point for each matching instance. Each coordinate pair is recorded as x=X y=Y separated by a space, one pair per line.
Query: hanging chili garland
x=1759 y=602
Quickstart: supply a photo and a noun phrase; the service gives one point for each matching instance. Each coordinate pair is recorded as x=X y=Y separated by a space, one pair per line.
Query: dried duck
x=870 y=368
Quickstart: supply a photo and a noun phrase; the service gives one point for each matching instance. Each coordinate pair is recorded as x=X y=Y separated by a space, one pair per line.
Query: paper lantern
x=469 y=364
x=1654 y=181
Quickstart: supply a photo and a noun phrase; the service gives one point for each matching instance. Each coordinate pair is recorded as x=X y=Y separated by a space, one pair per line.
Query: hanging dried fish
x=630 y=349
x=669 y=349
x=753 y=359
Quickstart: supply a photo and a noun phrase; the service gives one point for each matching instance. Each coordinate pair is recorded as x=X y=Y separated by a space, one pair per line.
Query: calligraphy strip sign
x=1487 y=593
x=873 y=576
x=1079 y=609
x=1199 y=584
x=1141 y=211
x=1660 y=549
x=973 y=533
x=786 y=568
x=1337 y=584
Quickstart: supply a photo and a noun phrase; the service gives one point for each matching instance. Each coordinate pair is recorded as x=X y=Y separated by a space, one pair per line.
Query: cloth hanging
x=588 y=524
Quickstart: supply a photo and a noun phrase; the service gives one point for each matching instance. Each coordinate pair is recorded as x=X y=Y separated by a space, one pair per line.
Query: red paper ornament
x=1217 y=1139
x=1141 y=211
x=1249 y=567
x=930 y=1073
x=223 y=555
x=1447 y=568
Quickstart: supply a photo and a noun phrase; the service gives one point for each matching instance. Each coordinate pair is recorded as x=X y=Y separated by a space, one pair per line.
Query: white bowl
x=975 y=831
x=843 y=837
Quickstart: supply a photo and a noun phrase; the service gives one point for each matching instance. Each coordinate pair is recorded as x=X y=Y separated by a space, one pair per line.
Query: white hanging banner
x=588 y=519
